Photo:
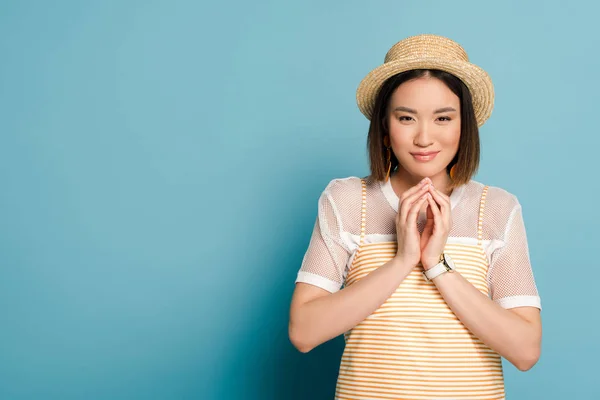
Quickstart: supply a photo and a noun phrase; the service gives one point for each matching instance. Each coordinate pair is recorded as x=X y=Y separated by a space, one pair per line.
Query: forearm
x=507 y=333
x=326 y=317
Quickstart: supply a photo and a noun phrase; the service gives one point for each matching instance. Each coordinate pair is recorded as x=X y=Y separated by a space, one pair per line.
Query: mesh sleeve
x=511 y=277
x=325 y=259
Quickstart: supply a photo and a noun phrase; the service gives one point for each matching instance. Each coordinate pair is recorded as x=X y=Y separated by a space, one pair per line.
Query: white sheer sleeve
x=511 y=277
x=325 y=260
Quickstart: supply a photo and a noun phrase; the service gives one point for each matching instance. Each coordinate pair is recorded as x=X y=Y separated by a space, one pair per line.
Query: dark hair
x=467 y=156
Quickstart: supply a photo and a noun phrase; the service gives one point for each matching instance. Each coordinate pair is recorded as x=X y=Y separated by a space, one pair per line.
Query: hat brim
x=475 y=78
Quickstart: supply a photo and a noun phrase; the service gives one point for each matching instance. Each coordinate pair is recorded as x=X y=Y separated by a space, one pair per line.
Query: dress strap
x=363 y=211
x=480 y=222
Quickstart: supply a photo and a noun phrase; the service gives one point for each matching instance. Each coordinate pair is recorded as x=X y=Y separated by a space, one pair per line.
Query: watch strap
x=440 y=268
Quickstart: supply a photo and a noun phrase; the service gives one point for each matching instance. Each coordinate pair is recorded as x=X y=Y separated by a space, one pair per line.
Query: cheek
x=451 y=139
x=401 y=135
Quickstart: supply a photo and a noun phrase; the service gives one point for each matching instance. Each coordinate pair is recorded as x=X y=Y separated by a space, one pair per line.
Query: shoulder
x=343 y=188
x=500 y=208
x=495 y=197
x=343 y=198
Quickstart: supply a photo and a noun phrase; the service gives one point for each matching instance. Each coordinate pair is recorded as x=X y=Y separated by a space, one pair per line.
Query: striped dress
x=413 y=346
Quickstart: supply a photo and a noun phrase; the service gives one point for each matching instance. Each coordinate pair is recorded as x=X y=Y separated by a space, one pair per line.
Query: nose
x=423 y=136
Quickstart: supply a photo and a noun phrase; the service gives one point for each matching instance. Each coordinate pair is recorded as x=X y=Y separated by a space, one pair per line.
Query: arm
x=513 y=333
x=317 y=316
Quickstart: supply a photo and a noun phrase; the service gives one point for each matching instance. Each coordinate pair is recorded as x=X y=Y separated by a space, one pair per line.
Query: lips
x=425 y=156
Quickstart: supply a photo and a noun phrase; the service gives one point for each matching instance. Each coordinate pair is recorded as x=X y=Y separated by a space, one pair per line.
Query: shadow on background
x=264 y=362
x=268 y=366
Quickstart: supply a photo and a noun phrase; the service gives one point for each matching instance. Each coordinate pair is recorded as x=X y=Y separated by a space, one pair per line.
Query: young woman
x=425 y=271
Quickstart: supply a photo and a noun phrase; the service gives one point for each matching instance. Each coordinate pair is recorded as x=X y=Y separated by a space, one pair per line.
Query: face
x=424 y=125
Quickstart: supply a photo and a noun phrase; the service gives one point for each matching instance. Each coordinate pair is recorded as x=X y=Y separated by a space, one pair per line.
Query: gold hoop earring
x=453 y=171
x=389 y=164
x=386 y=142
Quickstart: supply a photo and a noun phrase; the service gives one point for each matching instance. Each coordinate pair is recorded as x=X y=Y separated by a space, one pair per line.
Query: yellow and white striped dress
x=413 y=346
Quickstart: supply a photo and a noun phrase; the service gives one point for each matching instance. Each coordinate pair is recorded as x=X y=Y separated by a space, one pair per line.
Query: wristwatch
x=445 y=265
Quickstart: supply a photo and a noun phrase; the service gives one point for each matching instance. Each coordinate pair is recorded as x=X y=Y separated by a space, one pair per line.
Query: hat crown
x=427 y=46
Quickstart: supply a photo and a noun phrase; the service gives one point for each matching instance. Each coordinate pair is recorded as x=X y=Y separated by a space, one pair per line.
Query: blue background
x=160 y=164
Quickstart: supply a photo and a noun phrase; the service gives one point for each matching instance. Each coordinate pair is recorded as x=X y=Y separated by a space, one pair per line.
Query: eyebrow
x=438 y=111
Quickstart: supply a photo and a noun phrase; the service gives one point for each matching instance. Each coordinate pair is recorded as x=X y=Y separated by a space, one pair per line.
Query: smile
x=424 y=157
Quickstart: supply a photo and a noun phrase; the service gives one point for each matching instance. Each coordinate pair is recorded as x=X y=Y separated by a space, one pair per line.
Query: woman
x=425 y=271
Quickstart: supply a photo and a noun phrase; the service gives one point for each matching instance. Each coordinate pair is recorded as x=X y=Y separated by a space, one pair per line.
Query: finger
x=435 y=210
x=441 y=200
x=408 y=202
x=429 y=212
x=428 y=229
x=437 y=220
x=426 y=234
x=440 y=194
x=411 y=218
x=414 y=189
x=445 y=207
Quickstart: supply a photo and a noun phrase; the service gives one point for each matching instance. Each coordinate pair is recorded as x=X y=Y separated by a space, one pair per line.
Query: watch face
x=449 y=261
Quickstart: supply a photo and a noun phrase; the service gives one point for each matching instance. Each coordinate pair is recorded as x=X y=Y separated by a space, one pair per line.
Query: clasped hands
x=427 y=247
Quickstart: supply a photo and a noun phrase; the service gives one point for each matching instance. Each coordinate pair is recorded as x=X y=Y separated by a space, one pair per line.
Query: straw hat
x=429 y=52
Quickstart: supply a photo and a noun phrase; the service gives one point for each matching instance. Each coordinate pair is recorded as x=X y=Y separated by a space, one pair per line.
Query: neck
x=402 y=180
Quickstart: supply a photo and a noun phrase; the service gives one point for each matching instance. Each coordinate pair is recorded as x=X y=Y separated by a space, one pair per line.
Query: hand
x=411 y=201
x=436 y=231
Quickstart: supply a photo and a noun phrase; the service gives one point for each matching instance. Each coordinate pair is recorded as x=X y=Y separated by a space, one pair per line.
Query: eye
x=404 y=118
x=445 y=119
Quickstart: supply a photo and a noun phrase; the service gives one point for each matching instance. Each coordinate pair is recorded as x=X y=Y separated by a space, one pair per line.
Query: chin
x=423 y=171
